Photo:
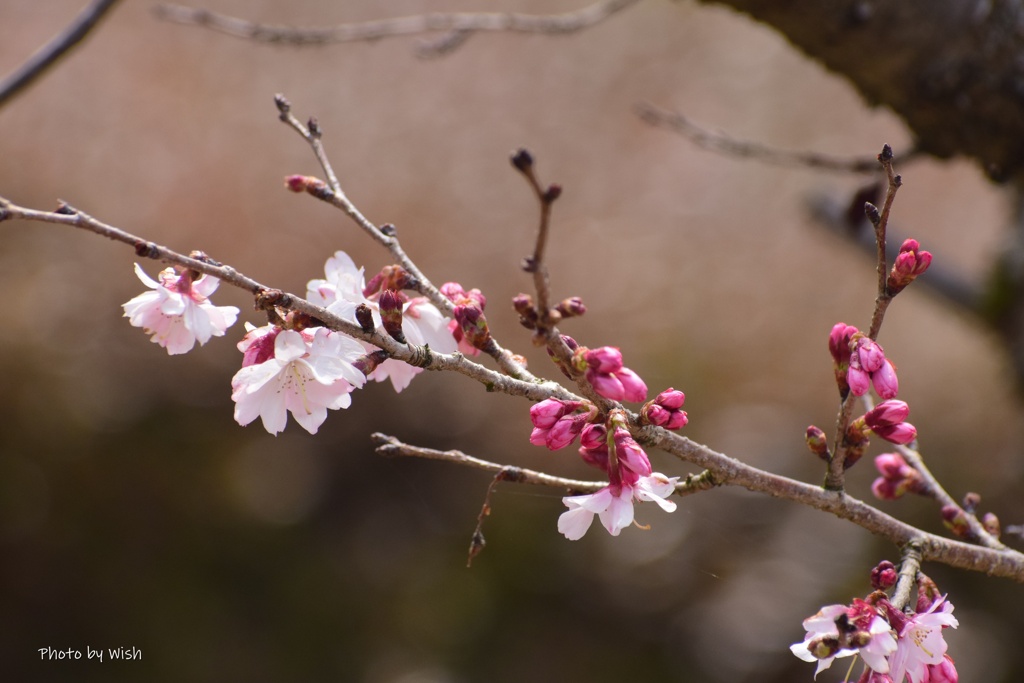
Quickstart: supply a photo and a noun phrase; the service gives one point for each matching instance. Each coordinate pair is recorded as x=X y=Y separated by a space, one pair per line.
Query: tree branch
x=456 y=27
x=50 y=54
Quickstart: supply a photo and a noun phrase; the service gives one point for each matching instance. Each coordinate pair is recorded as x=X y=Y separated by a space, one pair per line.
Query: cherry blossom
x=178 y=312
x=342 y=291
x=310 y=372
x=864 y=632
x=613 y=505
x=921 y=645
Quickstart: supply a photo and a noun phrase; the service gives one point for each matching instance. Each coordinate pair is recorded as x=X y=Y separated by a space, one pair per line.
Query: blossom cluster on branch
x=313 y=353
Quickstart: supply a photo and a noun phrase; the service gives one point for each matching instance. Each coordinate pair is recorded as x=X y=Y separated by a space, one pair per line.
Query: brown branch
x=907 y=579
x=456 y=26
x=49 y=54
x=1006 y=563
x=722 y=143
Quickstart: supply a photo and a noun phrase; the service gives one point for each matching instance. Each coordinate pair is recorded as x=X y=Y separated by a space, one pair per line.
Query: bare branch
x=48 y=55
x=723 y=143
x=456 y=27
x=909 y=569
x=390 y=446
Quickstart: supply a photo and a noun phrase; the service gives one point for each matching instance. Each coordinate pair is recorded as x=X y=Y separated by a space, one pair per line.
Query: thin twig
x=456 y=27
x=336 y=197
x=722 y=143
x=391 y=446
x=880 y=220
x=934 y=489
x=48 y=55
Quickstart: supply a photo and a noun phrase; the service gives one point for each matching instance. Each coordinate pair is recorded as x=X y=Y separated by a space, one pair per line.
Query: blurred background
x=134 y=512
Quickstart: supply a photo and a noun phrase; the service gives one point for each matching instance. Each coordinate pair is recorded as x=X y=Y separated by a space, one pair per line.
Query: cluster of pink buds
x=557 y=423
x=888 y=420
x=911 y=262
x=605 y=372
x=664 y=410
x=895 y=646
x=860 y=362
x=470 y=326
x=609 y=447
x=897 y=477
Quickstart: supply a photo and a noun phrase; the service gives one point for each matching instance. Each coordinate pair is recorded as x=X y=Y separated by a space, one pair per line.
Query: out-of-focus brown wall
x=135 y=513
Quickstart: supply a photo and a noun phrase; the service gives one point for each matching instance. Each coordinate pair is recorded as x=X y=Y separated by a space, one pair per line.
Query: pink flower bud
x=594 y=436
x=546 y=413
x=991 y=524
x=867 y=355
x=885 y=382
x=817 y=442
x=634 y=388
x=901 y=434
x=606 y=385
x=955 y=520
x=839 y=342
x=391 y=314
x=943 y=672
x=884 y=575
x=887 y=413
x=858 y=381
x=565 y=431
x=604 y=360
x=886 y=489
x=670 y=398
x=909 y=264
x=891 y=465
x=631 y=456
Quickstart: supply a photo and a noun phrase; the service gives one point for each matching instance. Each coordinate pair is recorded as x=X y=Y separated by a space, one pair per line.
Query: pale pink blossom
x=178 y=312
x=341 y=292
x=614 y=505
x=921 y=645
x=866 y=634
x=309 y=373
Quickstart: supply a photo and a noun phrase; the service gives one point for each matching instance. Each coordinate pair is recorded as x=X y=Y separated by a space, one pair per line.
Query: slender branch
x=456 y=27
x=722 y=143
x=835 y=216
x=935 y=490
x=391 y=446
x=419 y=356
x=49 y=54
x=389 y=240
x=880 y=220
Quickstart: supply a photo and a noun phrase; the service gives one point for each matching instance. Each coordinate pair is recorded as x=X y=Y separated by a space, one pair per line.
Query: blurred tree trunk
x=954 y=71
